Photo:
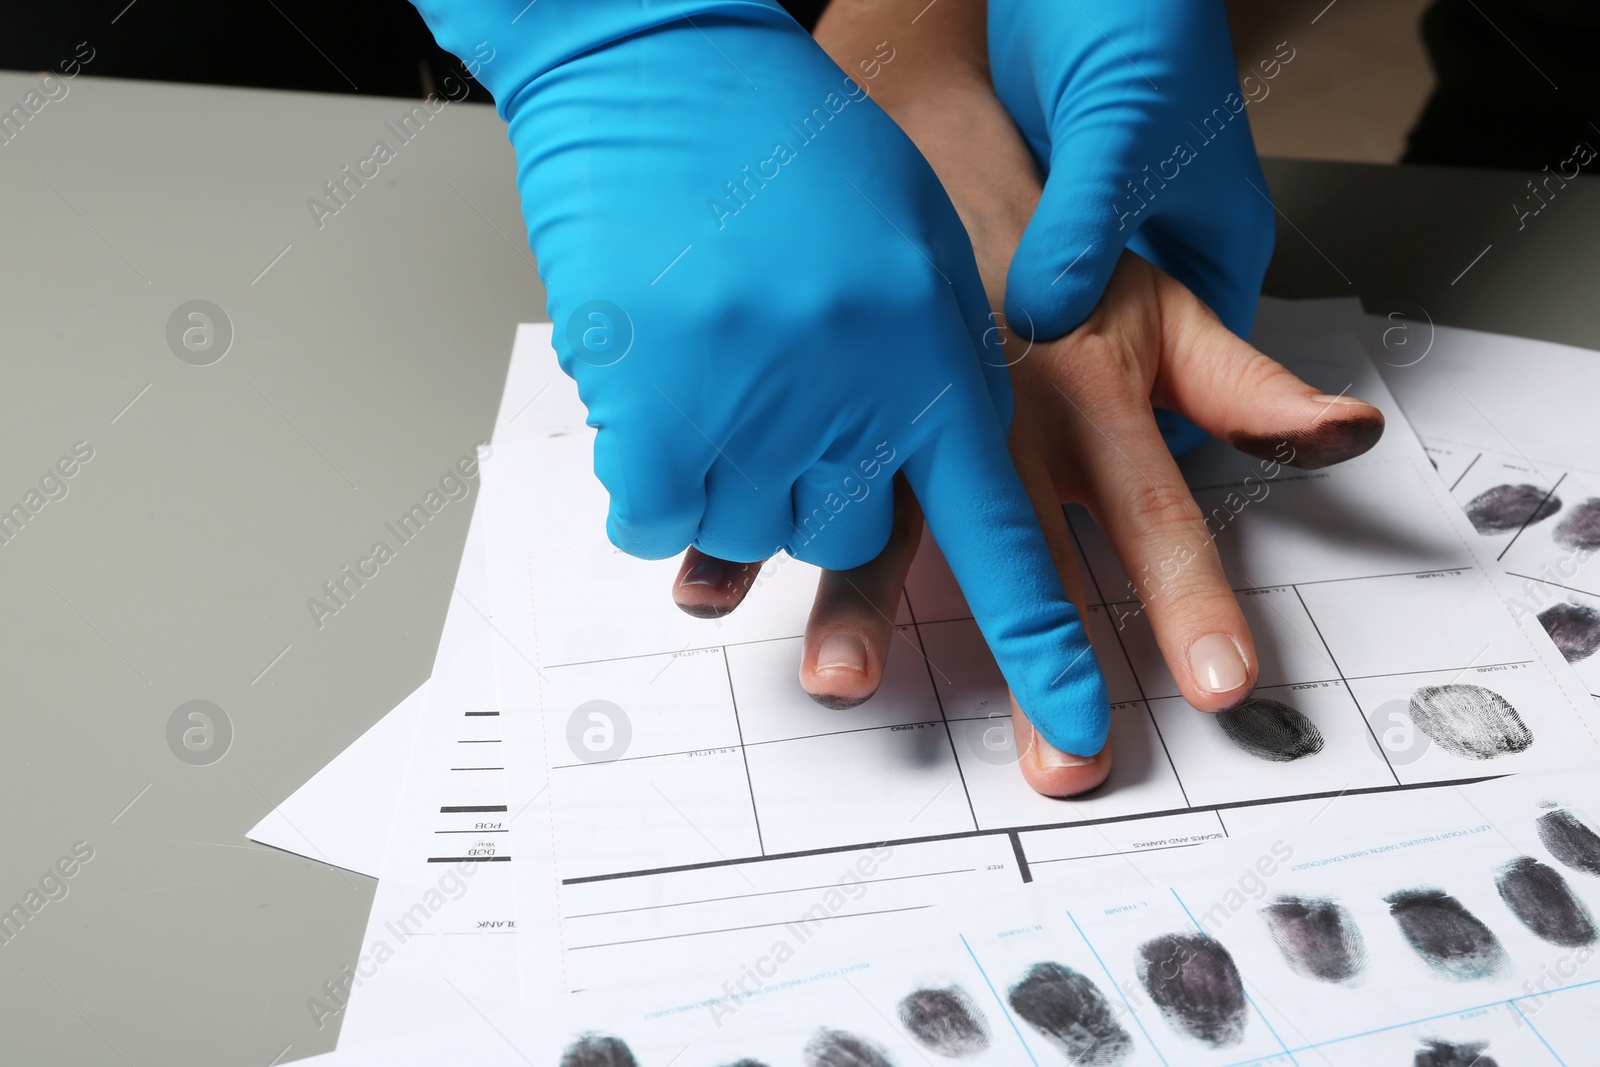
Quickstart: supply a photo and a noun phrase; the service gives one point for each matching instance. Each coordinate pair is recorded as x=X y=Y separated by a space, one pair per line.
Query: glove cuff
x=507 y=44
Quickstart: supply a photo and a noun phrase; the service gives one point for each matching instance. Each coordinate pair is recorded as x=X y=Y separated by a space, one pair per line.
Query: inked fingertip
x=1330 y=441
x=839 y=703
x=705 y=611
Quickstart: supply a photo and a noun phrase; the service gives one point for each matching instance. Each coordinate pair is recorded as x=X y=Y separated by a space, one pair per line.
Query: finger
x=658 y=495
x=1136 y=493
x=1044 y=767
x=1248 y=399
x=851 y=630
x=841 y=520
x=1049 y=770
x=709 y=587
x=977 y=510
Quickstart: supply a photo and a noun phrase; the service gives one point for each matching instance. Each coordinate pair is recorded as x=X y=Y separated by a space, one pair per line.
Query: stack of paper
x=603 y=815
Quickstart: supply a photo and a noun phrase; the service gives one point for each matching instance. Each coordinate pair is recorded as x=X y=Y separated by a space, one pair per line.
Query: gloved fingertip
x=643 y=544
x=1075 y=719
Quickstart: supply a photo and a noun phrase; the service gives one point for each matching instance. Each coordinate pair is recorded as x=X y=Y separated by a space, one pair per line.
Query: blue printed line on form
x=1253 y=1005
x=995 y=993
x=1135 y=1015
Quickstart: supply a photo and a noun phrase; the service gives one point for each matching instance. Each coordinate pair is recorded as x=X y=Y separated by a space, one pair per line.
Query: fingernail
x=842 y=649
x=1216 y=664
x=1324 y=398
x=1052 y=758
x=707 y=571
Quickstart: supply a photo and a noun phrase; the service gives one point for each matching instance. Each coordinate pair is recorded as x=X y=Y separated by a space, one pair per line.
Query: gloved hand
x=769 y=306
x=1133 y=112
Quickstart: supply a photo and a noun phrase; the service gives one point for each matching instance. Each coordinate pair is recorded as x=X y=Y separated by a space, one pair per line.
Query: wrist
x=968 y=139
x=937 y=89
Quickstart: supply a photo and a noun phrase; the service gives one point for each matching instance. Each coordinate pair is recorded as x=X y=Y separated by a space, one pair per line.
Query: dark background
x=1515 y=84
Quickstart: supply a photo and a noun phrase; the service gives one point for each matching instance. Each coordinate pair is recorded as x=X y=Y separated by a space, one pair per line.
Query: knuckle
x=1108 y=371
x=1161 y=506
x=1101 y=354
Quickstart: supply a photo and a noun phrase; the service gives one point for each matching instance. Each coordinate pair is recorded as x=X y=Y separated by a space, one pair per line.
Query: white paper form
x=698 y=799
x=447 y=869
x=1508 y=424
x=341 y=815
x=1358 y=937
x=1463 y=926
x=1477 y=400
x=439 y=937
x=1511 y=426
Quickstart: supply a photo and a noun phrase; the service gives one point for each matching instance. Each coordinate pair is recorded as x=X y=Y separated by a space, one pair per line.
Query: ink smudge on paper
x=1469 y=721
x=1575 y=629
x=1193 y=981
x=1539 y=896
x=1581 y=528
x=1271 y=730
x=1511 y=507
x=1449 y=938
x=1318 y=937
x=1570 y=840
x=598 y=1050
x=837 y=1048
x=945 y=1021
x=1445 y=1054
x=1072 y=1013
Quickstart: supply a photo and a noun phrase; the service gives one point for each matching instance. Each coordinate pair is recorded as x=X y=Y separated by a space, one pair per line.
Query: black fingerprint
x=598 y=1050
x=1068 y=1009
x=1511 y=507
x=1271 y=730
x=1195 y=984
x=1444 y=1054
x=1581 y=528
x=836 y=1048
x=1469 y=721
x=1448 y=937
x=1570 y=841
x=945 y=1020
x=1318 y=938
x=1575 y=628
x=1539 y=896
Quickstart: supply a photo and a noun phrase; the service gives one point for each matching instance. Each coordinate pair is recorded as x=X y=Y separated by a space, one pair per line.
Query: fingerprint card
x=1461 y=932
x=1390 y=646
x=1384 y=663
x=1508 y=425
x=688 y=771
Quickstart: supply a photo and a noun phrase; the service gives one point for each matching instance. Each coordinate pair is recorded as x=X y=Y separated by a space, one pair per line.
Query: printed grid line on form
x=916 y=624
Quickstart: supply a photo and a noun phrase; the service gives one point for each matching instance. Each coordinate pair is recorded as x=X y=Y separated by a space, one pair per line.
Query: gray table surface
x=366 y=357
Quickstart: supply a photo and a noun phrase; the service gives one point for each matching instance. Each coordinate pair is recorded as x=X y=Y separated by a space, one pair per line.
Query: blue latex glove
x=770 y=306
x=1133 y=112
